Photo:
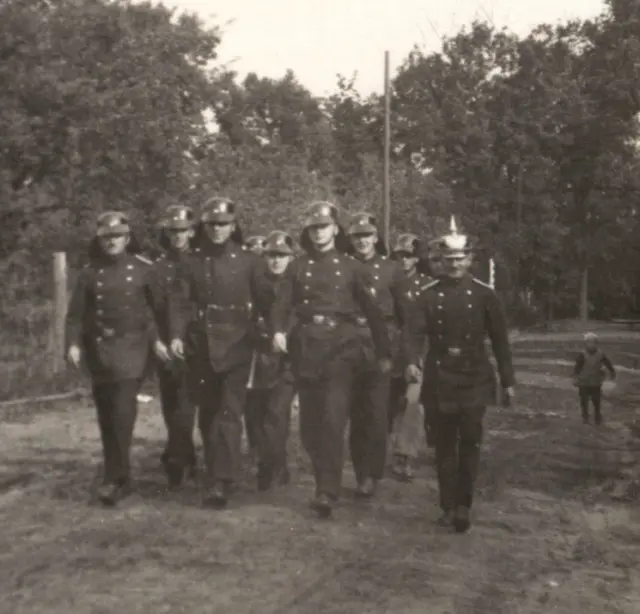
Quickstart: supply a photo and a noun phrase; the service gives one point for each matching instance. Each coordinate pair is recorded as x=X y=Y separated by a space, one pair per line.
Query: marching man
x=457 y=312
x=222 y=285
x=327 y=291
x=370 y=400
x=405 y=414
x=270 y=394
x=176 y=388
x=111 y=325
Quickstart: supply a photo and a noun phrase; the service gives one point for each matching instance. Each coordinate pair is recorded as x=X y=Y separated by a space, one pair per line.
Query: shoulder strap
x=481 y=283
x=431 y=284
x=143 y=259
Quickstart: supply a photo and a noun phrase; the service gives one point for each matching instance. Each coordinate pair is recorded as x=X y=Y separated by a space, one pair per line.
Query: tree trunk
x=584 y=294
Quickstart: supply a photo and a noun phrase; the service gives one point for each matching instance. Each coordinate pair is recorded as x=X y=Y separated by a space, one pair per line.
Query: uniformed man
x=222 y=283
x=370 y=401
x=176 y=390
x=271 y=391
x=457 y=313
x=406 y=414
x=112 y=324
x=434 y=269
x=255 y=244
x=327 y=291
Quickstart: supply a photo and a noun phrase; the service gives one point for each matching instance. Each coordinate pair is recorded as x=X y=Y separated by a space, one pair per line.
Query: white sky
x=318 y=39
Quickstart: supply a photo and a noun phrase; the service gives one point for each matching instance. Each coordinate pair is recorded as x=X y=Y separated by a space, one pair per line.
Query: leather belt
x=320 y=319
x=221 y=308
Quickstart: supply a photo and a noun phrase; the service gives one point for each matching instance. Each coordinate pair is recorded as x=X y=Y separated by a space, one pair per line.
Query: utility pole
x=386 y=202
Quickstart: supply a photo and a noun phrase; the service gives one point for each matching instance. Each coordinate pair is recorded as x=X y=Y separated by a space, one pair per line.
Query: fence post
x=492 y=283
x=60 y=301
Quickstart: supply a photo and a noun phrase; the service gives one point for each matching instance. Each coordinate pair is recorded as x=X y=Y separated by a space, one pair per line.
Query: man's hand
x=508 y=396
x=384 y=364
x=412 y=374
x=280 y=343
x=177 y=348
x=73 y=355
x=161 y=351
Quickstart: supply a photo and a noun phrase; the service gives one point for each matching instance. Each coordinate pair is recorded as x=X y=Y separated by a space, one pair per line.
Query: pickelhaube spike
x=454 y=244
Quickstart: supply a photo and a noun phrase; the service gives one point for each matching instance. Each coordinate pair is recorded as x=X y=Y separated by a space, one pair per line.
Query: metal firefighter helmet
x=320 y=213
x=255 y=243
x=178 y=217
x=454 y=244
x=279 y=242
x=363 y=223
x=218 y=210
x=112 y=223
x=406 y=243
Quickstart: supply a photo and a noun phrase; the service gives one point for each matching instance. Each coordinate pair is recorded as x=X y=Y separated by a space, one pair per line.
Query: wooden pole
x=60 y=301
x=387 y=150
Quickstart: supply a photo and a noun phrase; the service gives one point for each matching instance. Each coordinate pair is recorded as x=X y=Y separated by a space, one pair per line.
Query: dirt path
x=553 y=532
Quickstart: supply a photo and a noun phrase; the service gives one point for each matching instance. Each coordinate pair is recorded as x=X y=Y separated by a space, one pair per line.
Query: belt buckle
x=454 y=351
x=360 y=321
x=318 y=319
x=108 y=332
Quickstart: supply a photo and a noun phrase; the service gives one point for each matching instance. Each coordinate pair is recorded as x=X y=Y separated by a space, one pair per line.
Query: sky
x=318 y=39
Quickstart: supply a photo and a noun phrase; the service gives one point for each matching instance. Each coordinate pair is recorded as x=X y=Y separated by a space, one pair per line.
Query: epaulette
x=143 y=259
x=481 y=283
x=431 y=284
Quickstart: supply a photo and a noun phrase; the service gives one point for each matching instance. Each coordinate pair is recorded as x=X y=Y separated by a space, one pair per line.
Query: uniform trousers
x=117 y=409
x=270 y=412
x=324 y=412
x=253 y=409
x=222 y=398
x=179 y=414
x=458 y=437
x=369 y=422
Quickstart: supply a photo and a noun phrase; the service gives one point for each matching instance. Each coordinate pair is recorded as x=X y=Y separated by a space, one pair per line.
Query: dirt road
x=557 y=529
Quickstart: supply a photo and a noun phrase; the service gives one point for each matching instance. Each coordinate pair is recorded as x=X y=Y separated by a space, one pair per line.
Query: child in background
x=589 y=374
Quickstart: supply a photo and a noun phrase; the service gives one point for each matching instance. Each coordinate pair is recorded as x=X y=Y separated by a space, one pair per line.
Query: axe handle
x=252 y=370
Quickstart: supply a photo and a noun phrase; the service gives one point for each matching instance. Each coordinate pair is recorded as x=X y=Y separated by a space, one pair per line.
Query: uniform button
x=99 y=312
x=337 y=273
x=439 y=321
x=306 y=287
x=233 y=255
x=470 y=305
x=130 y=267
x=468 y=291
x=440 y=294
x=439 y=306
x=308 y=273
x=306 y=301
x=99 y=339
x=376 y=266
x=376 y=277
x=99 y=284
x=129 y=278
x=335 y=260
x=101 y=271
x=437 y=363
x=98 y=297
x=311 y=261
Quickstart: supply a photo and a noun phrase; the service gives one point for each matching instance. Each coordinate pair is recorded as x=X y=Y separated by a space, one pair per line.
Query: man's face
x=456 y=267
x=409 y=261
x=322 y=235
x=364 y=243
x=115 y=244
x=179 y=238
x=219 y=232
x=277 y=263
x=591 y=345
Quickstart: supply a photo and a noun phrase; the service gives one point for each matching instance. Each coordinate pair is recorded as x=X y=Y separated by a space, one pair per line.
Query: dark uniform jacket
x=457 y=316
x=111 y=317
x=326 y=293
x=222 y=283
x=269 y=366
x=171 y=270
x=589 y=368
x=393 y=294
